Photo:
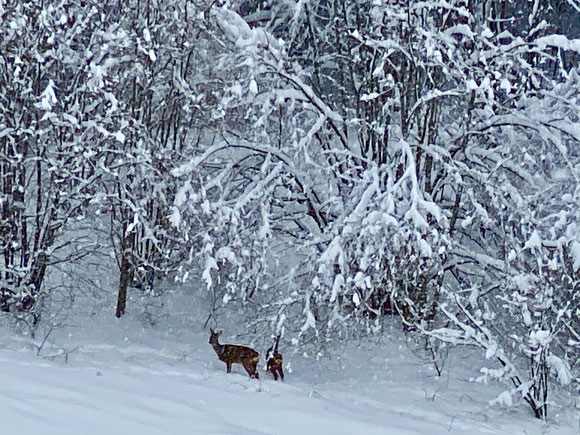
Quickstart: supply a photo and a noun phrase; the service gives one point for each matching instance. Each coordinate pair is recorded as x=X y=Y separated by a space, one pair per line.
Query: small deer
x=233 y=353
x=274 y=360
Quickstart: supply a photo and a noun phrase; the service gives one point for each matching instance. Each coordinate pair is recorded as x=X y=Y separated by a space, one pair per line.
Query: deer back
x=232 y=353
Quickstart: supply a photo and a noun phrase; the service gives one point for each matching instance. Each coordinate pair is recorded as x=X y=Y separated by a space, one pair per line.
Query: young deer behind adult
x=274 y=360
x=233 y=353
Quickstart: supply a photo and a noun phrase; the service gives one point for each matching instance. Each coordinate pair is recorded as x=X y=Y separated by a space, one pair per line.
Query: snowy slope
x=100 y=375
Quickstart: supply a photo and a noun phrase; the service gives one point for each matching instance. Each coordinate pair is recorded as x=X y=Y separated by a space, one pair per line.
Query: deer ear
x=219 y=332
x=212 y=331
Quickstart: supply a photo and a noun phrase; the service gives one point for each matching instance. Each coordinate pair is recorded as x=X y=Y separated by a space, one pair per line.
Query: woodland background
x=318 y=166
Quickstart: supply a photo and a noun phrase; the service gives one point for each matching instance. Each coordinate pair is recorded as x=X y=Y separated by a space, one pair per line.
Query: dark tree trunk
x=126 y=269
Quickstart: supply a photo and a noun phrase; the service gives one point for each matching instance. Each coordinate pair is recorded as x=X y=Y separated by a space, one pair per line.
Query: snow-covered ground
x=96 y=374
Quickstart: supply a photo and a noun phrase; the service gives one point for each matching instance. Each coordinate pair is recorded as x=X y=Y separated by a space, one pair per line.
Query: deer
x=274 y=360
x=233 y=353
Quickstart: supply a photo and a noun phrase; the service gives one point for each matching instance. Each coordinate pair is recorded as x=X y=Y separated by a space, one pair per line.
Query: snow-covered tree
x=49 y=158
x=400 y=127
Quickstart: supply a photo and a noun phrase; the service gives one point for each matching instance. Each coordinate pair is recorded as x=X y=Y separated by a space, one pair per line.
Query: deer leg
x=248 y=368
x=228 y=367
x=281 y=373
x=251 y=369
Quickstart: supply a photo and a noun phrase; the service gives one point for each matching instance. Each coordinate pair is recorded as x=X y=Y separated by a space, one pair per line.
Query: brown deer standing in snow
x=274 y=360
x=233 y=353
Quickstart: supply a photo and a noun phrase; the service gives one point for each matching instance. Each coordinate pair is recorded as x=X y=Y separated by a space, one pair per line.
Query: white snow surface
x=157 y=374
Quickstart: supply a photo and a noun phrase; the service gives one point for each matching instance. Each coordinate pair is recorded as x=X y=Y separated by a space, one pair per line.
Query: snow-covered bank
x=46 y=398
x=123 y=378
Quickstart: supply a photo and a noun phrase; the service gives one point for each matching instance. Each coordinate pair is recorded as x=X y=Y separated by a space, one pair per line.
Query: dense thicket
x=318 y=165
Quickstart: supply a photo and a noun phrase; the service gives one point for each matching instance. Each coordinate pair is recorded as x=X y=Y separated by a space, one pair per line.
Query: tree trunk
x=126 y=270
x=123 y=284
